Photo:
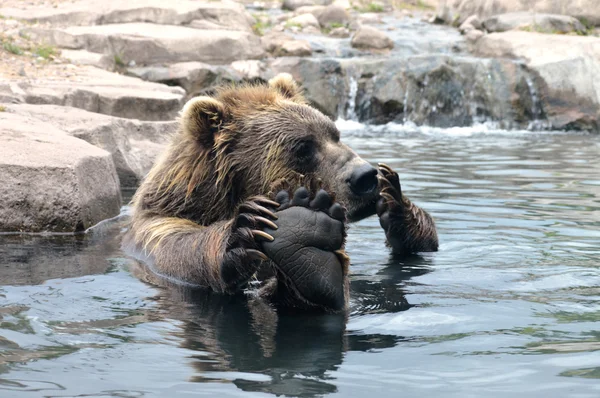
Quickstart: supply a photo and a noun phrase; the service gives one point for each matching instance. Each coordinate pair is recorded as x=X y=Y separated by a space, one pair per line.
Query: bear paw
x=243 y=255
x=308 y=248
x=390 y=207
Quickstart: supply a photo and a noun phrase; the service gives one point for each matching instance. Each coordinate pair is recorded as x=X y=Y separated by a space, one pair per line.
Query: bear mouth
x=363 y=210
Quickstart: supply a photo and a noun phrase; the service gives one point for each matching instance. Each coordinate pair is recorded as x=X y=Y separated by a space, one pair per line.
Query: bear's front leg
x=308 y=251
x=243 y=254
x=408 y=228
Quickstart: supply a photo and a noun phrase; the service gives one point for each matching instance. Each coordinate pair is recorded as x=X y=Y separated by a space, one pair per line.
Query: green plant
x=45 y=51
x=12 y=48
x=289 y=25
x=260 y=26
x=588 y=26
x=2 y=108
x=412 y=5
x=540 y=29
x=374 y=7
x=332 y=26
x=119 y=61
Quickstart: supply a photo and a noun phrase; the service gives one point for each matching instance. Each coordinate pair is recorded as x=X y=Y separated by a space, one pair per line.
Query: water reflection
x=290 y=355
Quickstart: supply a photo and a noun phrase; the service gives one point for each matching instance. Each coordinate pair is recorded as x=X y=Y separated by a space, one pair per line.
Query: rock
x=570 y=90
x=438 y=90
x=321 y=80
x=340 y=32
x=51 y=181
x=470 y=23
x=474 y=21
x=134 y=145
x=311 y=30
x=343 y=3
x=332 y=15
x=293 y=48
x=281 y=46
x=456 y=10
x=225 y=15
x=369 y=18
x=304 y=20
x=250 y=69
x=148 y=43
x=295 y=4
x=98 y=91
x=82 y=57
x=367 y=37
x=314 y=10
x=542 y=23
x=474 y=34
x=194 y=77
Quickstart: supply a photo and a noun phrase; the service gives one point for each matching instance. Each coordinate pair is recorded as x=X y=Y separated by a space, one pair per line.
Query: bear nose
x=363 y=180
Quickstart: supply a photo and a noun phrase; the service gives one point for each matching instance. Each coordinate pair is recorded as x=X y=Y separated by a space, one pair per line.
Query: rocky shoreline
x=89 y=92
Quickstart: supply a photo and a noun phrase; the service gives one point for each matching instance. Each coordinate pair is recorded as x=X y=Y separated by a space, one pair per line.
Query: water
x=507 y=308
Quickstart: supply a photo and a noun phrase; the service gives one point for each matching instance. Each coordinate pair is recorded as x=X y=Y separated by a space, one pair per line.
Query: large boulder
x=285 y=46
x=51 y=181
x=570 y=89
x=146 y=43
x=530 y=21
x=82 y=57
x=333 y=15
x=320 y=78
x=133 y=144
x=98 y=91
x=304 y=20
x=217 y=15
x=194 y=77
x=367 y=37
x=438 y=90
x=458 y=10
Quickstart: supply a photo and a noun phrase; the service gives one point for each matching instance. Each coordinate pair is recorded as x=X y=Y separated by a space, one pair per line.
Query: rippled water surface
x=508 y=307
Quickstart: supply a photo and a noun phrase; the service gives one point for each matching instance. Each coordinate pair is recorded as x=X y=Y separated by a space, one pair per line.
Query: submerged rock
x=52 y=181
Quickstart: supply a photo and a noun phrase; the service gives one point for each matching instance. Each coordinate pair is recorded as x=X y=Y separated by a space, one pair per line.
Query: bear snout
x=363 y=180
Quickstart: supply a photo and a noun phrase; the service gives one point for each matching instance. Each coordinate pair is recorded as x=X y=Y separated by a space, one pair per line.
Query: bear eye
x=304 y=149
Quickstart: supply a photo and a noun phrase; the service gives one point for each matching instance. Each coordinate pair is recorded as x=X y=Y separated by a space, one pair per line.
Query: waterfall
x=405 y=104
x=351 y=102
x=536 y=108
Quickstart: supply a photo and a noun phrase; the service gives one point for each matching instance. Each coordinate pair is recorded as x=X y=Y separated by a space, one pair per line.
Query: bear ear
x=202 y=119
x=285 y=84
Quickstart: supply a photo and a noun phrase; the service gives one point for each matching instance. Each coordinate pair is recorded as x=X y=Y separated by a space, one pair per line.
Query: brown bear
x=253 y=194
